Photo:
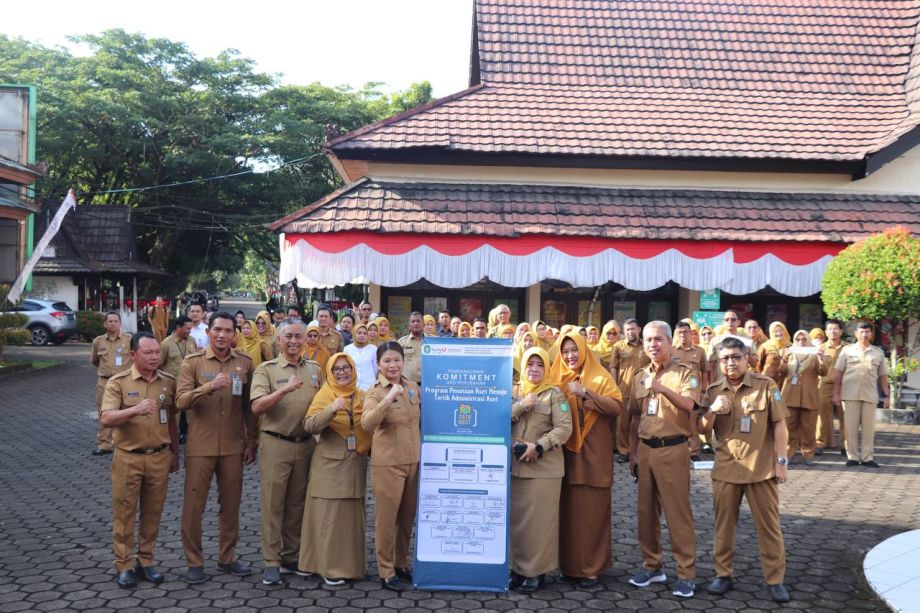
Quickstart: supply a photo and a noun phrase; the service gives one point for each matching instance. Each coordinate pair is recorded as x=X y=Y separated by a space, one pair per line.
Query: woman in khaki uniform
x=585 y=506
x=542 y=423
x=770 y=355
x=800 y=392
x=333 y=524
x=392 y=411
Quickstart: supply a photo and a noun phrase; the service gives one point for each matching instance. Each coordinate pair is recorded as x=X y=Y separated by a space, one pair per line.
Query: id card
x=118 y=359
x=794 y=380
x=350 y=443
x=164 y=416
x=746 y=423
x=315 y=381
x=652 y=407
x=237 y=387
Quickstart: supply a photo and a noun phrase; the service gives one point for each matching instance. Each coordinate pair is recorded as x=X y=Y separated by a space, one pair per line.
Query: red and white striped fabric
x=451 y=261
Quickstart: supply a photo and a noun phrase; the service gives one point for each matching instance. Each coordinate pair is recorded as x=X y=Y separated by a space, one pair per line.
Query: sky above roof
x=340 y=42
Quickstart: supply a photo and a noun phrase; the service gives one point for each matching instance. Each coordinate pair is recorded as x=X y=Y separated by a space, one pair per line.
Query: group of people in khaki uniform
x=316 y=431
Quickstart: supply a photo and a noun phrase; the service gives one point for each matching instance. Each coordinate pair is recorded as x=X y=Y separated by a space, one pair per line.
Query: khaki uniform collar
x=745 y=380
x=136 y=374
x=209 y=354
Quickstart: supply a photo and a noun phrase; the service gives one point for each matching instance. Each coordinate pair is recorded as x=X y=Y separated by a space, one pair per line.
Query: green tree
x=140 y=111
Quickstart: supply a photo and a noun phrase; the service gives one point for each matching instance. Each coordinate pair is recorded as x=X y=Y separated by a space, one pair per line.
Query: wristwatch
x=783 y=461
x=539 y=450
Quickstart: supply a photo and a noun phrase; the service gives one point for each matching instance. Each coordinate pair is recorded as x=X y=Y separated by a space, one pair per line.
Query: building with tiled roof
x=631 y=155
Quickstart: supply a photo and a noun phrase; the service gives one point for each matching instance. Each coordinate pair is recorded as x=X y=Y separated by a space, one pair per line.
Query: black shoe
x=720 y=585
x=195 y=574
x=235 y=568
x=779 y=593
x=181 y=439
x=586 y=583
x=695 y=458
x=622 y=459
x=392 y=584
x=843 y=451
x=126 y=579
x=852 y=462
x=99 y=452
x=515 y=582
x=567 y=579
x=404 y=574
x=819 y=451
x=707 y=448
x=870 y=464
x=291 y=568
x=148 y=573
x=529 y=585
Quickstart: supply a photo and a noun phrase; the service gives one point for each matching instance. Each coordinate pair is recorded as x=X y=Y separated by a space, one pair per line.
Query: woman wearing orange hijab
x=313 y=350
x=465 y=330
x=383 y=330
x=594 y=399
x=334 y=521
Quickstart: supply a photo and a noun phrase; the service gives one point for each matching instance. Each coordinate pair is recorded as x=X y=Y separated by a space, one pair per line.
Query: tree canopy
x=141 y=112
x=875 y=278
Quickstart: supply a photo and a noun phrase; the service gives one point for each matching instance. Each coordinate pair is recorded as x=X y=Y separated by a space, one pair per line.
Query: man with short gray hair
x=661 y=401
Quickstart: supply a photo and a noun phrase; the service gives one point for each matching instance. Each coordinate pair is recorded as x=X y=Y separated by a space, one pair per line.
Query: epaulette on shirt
x=121 y=374
x=165 y=374
x=196 y=354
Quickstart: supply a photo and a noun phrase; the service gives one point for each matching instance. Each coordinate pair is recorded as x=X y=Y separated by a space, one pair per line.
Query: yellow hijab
x=493 y=323
x=593 y=376
x=519 y=349
x=318 y=353
x=354 y=337
x=380 y=337
x=269 y=327
x=499 y=333
x=429 y=319
x=553 y=351
x=543 y=384
x=776 y=344
x=251 y=343
x=603 y=348
x=588 y=331
x=467 y=325
x=340 y=424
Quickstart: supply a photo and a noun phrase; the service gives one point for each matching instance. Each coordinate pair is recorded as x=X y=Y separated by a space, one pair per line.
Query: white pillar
x=532 y=307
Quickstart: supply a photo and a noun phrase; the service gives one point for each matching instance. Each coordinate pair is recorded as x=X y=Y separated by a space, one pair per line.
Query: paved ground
x=55 y=551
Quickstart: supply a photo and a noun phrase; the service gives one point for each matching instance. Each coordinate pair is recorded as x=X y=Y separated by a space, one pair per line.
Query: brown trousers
x=860 y=435
x=622 y=431
x=199 y=470
x=284 y=468
x=103 y=434
x=763 y=499
x=137 y=477
x=826 y=414
x=801 y=424
x=664 y=484
x=395 y=493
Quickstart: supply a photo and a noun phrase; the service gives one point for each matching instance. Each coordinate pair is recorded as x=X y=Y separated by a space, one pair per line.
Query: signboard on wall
x=461 y=538
x=711 y=300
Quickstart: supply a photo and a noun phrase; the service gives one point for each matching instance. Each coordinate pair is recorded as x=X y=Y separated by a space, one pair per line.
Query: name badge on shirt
x=408 y=349
x=351 y=443
x=133 y=394
x=652 y=407
x=794 y=380
x=281 y=381
x=208 y=376
x=746 y=423
x=164 y=416
x=237 y=387
x=315 y=381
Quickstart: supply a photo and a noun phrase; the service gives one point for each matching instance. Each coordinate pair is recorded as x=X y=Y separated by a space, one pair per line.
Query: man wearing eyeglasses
x=731 y=323
x=747 y=413
x=282 y=389
x=364 y=310
x=412 y=348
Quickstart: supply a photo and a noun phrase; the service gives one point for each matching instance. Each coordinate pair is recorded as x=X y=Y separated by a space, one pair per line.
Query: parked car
x=49 y=321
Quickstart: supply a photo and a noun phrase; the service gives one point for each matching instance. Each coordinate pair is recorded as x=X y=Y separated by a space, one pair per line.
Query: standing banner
x=461 y=538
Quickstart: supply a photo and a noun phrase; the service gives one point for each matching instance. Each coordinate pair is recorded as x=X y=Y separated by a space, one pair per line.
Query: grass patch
x=39 y=364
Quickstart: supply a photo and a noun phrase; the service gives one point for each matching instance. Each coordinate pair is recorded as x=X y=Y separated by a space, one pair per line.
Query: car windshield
x=61 y=306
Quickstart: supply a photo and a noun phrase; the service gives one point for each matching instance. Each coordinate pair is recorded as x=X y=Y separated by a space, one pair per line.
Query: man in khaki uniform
x=412 y=348
x=176 y=346
x=138 y=405
x=827 y=408
x=213 y=388
x=859 y=372
x=730 y=321
x=626 y=359
x=661 y=401
x=110 y=355
x=694 y=357
x=282 y=389
x=329 y=337
x=747 y=414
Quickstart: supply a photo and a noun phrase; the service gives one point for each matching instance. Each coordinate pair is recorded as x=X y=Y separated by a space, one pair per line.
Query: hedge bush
x=90 y=324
